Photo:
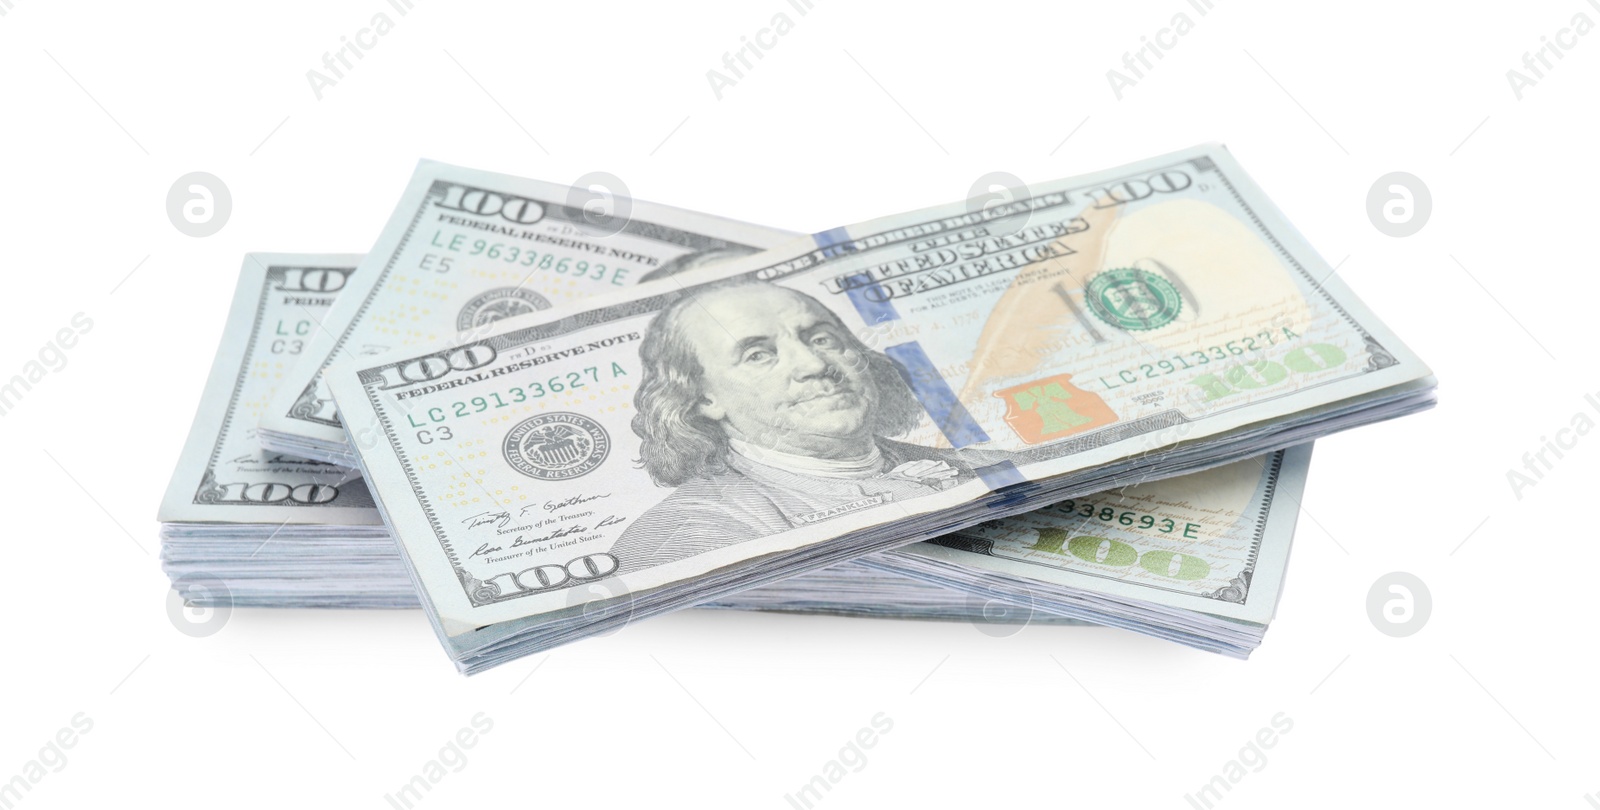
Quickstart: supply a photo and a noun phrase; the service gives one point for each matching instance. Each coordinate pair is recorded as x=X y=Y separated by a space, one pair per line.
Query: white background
x=862 y=110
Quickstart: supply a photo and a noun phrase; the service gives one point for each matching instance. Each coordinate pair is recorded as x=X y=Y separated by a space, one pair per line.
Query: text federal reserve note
x=465 y=249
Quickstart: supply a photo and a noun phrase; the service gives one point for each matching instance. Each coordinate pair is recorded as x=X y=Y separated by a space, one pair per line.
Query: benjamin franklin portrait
x=763 y=412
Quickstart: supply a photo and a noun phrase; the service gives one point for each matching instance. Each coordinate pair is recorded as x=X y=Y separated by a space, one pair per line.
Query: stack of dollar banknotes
x=539 y=418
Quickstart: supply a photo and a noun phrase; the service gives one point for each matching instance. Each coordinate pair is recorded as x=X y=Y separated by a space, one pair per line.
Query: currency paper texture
x=465 y=249
x=856 y=390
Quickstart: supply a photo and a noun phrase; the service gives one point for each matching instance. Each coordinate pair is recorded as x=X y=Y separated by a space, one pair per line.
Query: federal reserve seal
x=1133 y=299
x=498 y=303
x=556 y=446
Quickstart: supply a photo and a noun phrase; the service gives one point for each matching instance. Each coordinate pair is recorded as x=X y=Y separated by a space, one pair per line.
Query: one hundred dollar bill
x=856 y=390
x=224 y=477
x=282 y=532
x=466 y=248
x=1199 y=559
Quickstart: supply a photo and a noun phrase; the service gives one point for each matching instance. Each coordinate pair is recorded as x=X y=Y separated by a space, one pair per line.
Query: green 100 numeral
x=1105 y=551
x=1262 y=373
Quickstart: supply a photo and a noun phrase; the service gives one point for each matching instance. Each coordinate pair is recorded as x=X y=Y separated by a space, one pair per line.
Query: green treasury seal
x=1133 y=299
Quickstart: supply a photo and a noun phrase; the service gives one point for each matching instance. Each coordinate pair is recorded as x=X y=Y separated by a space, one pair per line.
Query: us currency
x=464 y=249
x=283 y=532
x=231 y=505
x=245 y=526
x=857 y=390
x=1199 y=559
x=857 y=590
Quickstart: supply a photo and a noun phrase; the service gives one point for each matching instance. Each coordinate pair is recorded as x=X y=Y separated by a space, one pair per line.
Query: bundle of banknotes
x=540 y=420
